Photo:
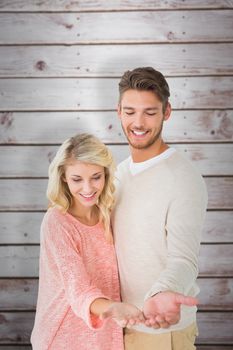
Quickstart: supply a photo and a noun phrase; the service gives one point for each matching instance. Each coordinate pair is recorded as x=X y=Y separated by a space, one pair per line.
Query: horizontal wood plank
x=24 y=227
x=218 y=227
x=22 y=261
x=21 y=347
x=19 y=261
x=16 y=327
x=29 y=194
x=216 y=260
x=20 y=228
x=214 y=327
x=215 y=294
x=72 y=28
x=48 y=94
x=45 y=127
x=21 y=294
x=110 y=5
x=18 y=294
x=220 y=193
x=113 y=60
x=22 y=161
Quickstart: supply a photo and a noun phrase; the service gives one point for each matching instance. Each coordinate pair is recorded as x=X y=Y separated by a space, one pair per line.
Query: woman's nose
x=87 y=187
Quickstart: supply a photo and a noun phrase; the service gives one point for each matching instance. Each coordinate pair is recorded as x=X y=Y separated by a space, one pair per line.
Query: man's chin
x=138 y=145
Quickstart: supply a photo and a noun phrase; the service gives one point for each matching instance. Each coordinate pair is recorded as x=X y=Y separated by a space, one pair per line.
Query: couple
x=157 y=214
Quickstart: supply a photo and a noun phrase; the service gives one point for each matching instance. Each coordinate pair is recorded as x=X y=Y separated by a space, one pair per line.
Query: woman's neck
x=87 y=216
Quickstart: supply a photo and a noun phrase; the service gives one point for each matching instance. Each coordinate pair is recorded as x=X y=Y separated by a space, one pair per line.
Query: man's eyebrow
x=146 y=109
x=151 y=109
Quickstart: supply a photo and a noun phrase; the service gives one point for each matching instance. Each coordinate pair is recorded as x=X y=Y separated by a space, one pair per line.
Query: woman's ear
x=63 y=178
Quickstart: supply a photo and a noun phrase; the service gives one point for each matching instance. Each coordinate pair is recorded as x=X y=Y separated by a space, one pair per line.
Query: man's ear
x=167 y=111
x=119 y=110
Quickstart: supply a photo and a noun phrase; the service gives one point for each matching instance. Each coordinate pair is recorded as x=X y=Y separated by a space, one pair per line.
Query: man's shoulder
x=179 y=163
x=184 y=172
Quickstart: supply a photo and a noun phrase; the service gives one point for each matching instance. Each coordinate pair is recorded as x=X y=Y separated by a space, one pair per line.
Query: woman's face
x=85 y=181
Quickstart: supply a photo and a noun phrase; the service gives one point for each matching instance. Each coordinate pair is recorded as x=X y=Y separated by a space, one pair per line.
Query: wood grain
x=216 y=260
x=72 y=28
x=29 y=194
x=18 y=294
x=21 y=294
x=218 y=227
x=214 y=327
x=45 y=127
x=48 y=94
x=22 y=261
x=22 y=161
x=110 y=5
x=113 y=60
x=220 y=193
x=215 y=294
x=20 y=227
x=24 y=227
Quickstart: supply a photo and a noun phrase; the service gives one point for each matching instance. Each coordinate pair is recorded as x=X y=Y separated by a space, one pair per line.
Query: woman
x=78 y=281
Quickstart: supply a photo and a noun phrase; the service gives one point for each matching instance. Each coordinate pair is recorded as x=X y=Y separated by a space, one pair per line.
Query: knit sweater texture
x=77 y=266
x=157 y=223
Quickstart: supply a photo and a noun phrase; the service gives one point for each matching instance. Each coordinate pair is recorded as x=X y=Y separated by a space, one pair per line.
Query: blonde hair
x=89 y=149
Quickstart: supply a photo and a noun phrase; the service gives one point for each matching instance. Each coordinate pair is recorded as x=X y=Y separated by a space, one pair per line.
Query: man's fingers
x=156 y=326
x=141 y=318
x=162 y=322
x=189 y=301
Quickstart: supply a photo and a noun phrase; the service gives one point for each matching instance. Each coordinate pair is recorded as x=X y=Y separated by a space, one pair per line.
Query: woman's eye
x=77 y=180
x=129 y=113
x=96 y=178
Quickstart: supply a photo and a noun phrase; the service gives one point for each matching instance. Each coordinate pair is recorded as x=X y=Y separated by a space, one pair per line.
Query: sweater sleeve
x=184 y=223
x=65 y=255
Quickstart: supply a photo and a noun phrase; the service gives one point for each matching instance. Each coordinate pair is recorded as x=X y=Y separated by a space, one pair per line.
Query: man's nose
x=139 y=120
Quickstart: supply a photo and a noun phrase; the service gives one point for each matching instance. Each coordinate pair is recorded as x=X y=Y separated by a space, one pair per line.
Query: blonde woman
x=78 y=281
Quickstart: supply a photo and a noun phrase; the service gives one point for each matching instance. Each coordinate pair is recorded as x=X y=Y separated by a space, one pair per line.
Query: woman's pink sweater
x=77 y=265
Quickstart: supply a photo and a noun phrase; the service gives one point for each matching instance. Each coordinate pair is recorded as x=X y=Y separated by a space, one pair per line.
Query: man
x=158 y=218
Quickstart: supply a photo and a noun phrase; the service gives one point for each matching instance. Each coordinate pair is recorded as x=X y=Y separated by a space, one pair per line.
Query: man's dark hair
x=145 y=79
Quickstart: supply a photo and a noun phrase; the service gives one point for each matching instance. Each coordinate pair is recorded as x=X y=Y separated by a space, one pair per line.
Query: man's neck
x=141 y=155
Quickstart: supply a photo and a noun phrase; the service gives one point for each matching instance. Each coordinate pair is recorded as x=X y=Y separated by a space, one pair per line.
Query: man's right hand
x=163 y=309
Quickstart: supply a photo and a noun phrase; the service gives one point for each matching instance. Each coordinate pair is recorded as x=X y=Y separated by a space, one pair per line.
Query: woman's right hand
x=124 y=314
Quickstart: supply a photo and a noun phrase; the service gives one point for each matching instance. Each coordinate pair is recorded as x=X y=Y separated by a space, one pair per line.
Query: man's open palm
x=163 y=309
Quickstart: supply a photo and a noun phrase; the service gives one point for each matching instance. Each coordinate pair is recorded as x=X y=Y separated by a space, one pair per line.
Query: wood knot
x=6 y=119
x=41 y=65
x=69 y=26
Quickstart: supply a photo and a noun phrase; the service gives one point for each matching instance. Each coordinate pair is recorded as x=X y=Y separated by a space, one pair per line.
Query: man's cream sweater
x=157 y=224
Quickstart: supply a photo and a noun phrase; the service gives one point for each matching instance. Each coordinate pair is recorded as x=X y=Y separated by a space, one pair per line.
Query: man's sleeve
x=184 y=225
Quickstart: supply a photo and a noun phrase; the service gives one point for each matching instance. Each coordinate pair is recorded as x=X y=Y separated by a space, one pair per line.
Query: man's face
x=142 y=116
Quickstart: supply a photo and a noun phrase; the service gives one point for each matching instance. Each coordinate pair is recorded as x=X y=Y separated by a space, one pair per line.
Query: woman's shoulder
x=55 y=220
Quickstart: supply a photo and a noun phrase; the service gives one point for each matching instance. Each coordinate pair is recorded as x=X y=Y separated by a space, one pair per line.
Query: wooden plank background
x=58 y=76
